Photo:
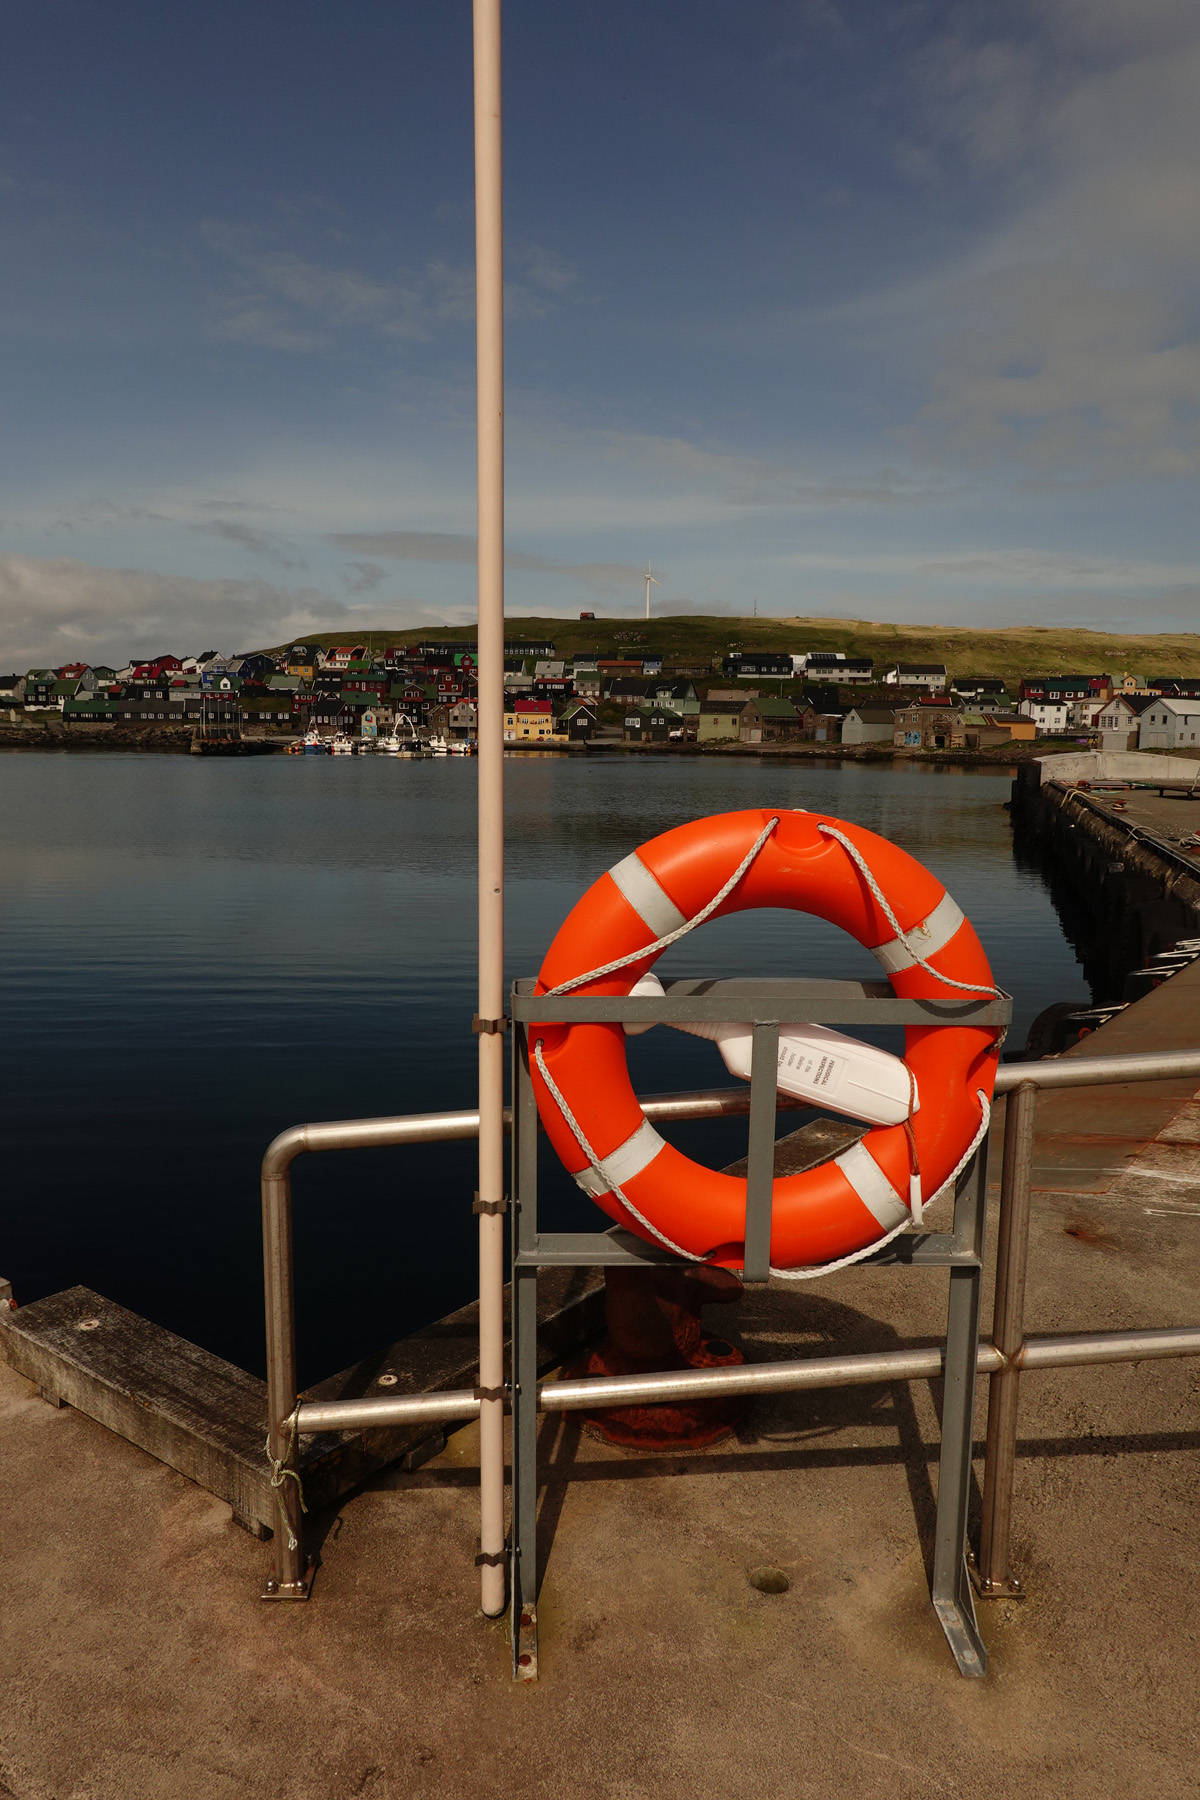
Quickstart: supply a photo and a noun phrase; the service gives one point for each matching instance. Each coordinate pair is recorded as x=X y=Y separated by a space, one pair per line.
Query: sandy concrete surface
x=1085 y=1136
x=136 y=1661
x=1169 y=816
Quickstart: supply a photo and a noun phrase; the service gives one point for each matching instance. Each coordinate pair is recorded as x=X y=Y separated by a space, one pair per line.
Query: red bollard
x=654 y=1323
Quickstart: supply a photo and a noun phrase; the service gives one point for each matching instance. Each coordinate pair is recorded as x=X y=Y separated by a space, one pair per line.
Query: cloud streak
x=456 y=547
x=278 y=299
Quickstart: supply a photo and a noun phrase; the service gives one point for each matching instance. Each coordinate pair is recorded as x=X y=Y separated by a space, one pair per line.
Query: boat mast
x=489 y=332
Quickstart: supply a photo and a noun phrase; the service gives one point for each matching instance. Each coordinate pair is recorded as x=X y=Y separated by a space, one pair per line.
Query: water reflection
x=198 y=954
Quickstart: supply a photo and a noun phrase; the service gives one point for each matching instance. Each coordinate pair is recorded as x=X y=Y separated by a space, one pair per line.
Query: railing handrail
x=702 y=1103
x=1003 y=1359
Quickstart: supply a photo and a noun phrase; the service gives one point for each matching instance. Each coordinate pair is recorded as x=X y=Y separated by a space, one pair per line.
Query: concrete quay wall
x=1137 y=892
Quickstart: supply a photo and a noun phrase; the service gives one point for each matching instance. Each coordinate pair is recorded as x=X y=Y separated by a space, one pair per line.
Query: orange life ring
x=849 y=1203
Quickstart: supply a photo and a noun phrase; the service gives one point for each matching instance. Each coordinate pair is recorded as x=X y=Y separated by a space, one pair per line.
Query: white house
x=1168 y=724
x=869 y=725
x=1117 y=721
x=929 y=676
x=834 y=666
x=1052 y=717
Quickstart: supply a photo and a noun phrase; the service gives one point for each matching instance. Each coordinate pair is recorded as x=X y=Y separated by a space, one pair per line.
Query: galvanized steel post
x=489 y=322
x=289 y=1567
x=1008 y=1331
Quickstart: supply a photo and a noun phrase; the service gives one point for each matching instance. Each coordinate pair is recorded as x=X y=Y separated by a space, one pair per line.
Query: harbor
x=653 y=1249
x=801 y=1541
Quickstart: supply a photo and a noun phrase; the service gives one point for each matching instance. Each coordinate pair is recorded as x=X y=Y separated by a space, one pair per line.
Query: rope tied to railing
x=280 y=1473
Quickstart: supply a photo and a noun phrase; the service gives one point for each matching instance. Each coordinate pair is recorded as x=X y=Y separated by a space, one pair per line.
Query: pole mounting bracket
x=486 y=1026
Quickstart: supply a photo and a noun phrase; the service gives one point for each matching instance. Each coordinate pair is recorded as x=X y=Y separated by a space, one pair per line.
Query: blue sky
x=854 y=310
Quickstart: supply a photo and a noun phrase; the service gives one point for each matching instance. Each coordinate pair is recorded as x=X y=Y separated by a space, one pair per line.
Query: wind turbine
x=651 y=581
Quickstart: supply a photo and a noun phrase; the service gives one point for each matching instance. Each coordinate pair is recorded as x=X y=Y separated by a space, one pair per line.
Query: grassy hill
x=965 y=650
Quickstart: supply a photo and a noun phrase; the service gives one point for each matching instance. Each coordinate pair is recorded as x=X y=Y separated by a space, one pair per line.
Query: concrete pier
x=1127 y=886
x=136 y=1659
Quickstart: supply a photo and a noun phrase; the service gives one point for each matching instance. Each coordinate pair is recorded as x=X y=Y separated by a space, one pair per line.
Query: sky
x=829 y=307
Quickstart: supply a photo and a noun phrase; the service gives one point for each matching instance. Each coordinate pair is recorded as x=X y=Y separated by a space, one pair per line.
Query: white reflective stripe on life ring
x=623 y=1163
x=931 y=935
x=872 y=1186
x=655 y=908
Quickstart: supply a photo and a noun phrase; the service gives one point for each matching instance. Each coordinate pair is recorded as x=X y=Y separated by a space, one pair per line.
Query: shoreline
x=177 y=741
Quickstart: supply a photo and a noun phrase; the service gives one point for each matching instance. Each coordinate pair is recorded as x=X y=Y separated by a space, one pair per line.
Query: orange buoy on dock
x=808 y=863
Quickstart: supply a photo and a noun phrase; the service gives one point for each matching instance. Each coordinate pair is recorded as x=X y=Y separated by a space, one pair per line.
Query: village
x=423 y=696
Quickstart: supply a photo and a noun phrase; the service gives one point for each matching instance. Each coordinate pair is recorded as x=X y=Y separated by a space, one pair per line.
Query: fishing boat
x=343 y=745
x=313 y=744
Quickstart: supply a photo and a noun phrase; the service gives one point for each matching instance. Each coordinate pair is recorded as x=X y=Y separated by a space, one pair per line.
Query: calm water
x=197 y=954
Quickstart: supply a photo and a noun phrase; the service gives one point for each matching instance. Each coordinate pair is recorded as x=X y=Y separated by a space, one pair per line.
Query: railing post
x=996 y=1576
x=760 y=1155
x=290 y=1577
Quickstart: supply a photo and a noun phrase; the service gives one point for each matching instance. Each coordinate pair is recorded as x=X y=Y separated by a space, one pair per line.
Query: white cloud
x=1069 y=340
x=57 y=609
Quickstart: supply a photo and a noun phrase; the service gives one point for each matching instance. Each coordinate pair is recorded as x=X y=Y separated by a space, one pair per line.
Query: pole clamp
x=489 y=1206
x=496 y=1393
x=495 y=1559
x=486 y=1026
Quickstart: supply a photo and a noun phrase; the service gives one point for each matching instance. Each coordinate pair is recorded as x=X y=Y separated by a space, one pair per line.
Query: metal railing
x=1139 y=834
x=1003 y=1359
x=289 y=1577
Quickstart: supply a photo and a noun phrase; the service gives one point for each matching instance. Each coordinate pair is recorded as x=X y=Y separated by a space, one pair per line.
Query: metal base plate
x=290 y=1590
x=1011 y=1589
x=525 y=1646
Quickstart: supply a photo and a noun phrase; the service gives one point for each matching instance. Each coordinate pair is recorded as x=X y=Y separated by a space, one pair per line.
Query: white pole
x=489 y=334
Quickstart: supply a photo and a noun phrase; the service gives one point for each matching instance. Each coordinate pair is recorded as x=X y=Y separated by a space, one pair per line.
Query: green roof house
x=765 y=721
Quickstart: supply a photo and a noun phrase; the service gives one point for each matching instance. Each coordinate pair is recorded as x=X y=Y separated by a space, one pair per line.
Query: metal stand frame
x=765 y=1004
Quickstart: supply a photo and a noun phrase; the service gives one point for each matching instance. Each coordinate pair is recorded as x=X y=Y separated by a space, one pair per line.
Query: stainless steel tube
x=755 y=1378
x=289 y=1564
x=631 y=1390
x=367 y=1134
x=489 y=387
x=925 y=1363
x=392 y=1409
x=1078 y=1349
x=1092 y=1071
x=1008 y=1329
x=445 y=1127
x=703 y=1103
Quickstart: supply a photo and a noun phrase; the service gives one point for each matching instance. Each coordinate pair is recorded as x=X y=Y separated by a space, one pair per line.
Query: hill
x=1010 y=653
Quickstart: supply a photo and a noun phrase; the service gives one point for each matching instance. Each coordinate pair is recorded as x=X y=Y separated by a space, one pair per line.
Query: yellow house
x=531 y=722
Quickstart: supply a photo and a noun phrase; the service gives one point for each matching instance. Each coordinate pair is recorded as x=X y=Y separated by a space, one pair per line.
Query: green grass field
x=965 y=650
